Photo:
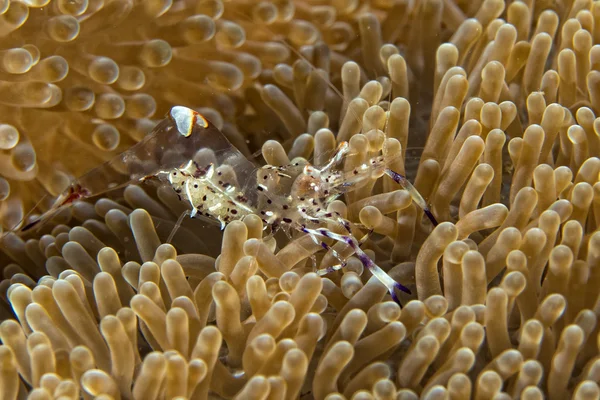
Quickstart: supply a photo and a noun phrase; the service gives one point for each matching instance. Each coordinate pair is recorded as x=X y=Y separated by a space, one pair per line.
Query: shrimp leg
x=338 y=256
x=414 y=193
x=387 y=280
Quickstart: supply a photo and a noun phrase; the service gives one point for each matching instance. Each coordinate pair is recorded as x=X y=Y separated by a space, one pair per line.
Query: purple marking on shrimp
x=395 y=296
x=430 y=216
x=417 y=198
x=367 y=262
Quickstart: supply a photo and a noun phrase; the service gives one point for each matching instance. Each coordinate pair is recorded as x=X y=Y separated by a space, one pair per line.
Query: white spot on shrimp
x=186 y=118
x=215 y=207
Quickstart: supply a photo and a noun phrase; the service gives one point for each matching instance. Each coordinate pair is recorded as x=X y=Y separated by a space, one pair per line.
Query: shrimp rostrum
x=188 y=153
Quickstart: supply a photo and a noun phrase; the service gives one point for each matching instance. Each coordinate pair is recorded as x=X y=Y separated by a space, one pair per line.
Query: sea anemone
x=488 y=106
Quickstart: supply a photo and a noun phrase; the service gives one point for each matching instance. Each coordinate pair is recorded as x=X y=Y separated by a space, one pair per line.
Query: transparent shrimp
x=188 y=153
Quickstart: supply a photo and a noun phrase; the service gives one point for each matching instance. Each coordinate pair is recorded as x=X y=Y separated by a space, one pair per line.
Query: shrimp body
x=208 y=196
x=188 y=153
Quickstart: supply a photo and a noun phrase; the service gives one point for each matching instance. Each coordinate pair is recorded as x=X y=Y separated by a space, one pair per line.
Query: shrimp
x=188 y=153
